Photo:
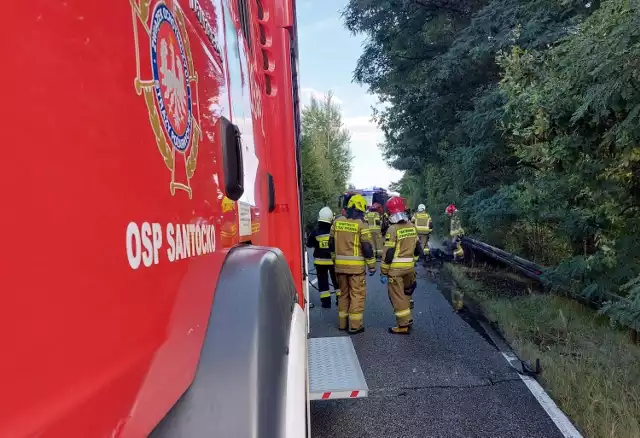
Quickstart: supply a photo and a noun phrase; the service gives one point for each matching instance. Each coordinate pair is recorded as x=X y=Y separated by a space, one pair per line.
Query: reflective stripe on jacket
x=320 y=241
x=423 y=222
x=351 y=239
x=401 y=244
x=456 y=226
x=373 y=219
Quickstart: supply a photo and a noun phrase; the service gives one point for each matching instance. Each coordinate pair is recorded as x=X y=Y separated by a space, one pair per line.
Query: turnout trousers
x=323 y=273
x=400 y=290
x=351 y=301
x=456 y=246
x=424 y=242
x=377 y=242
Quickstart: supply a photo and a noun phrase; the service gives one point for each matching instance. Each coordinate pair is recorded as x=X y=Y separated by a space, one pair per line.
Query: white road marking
x=314 y=282
x=565 y=426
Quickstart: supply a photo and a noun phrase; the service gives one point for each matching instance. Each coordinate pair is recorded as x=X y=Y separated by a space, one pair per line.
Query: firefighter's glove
x=383 y=279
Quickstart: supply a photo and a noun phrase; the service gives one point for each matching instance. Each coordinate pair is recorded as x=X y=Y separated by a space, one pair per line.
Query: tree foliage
x=326 y=156
x=526 y=114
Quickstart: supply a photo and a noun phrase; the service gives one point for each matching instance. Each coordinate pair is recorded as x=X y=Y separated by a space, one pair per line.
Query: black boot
x=326 y=302
x=356 y=331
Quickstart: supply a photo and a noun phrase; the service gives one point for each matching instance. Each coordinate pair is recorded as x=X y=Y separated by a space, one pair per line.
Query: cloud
x=307 y=93
x=368 y=167
x=363 y=129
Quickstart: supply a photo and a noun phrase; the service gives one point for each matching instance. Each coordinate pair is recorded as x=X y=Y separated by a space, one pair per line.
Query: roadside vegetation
x=326 y=157
x=590 y=369
x=526 y=115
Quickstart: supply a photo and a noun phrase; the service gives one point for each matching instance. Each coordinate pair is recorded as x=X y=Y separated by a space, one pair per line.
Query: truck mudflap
x=334 y=369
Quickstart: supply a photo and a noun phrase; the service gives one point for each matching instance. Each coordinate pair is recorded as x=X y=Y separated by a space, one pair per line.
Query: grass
x=591 y=370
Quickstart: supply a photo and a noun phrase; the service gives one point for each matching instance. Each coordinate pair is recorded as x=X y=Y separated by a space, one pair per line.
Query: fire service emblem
x=169 y=88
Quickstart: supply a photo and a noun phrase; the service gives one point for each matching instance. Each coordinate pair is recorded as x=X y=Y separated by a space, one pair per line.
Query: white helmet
x=421 y=207
x=325 y=215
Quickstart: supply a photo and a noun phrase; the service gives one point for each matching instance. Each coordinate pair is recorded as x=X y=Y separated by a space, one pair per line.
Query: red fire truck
x=153 y=271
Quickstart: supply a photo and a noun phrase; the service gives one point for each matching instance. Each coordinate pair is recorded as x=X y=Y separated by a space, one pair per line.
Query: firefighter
x=351 y=238
x=322 y=256
x=402 y=249
x=424 y=225
x=374 y=219
x=456 y=232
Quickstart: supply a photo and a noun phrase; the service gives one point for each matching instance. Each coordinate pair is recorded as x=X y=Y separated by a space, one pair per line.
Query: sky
x=328 y=56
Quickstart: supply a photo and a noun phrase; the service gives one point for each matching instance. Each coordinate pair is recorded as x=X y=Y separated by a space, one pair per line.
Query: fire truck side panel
x=114 y=236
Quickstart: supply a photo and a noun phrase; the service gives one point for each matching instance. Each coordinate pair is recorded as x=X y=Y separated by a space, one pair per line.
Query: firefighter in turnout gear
x=351 y=238
x=424 y=225
x=322 y=254
x=456 y=232
x=374 y=219
x=402 y=249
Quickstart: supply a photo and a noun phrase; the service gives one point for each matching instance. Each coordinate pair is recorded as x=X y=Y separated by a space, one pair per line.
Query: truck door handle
x=232 y=159
x=272 y=192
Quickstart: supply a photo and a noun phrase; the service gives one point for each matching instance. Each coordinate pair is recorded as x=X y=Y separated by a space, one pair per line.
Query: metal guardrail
x=525 y=267
x=532 y=270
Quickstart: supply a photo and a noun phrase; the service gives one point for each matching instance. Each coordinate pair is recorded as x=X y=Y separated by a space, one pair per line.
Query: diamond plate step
x=334 y=369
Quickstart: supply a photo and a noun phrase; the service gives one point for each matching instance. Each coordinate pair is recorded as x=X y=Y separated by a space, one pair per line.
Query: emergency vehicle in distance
x=154 y=275
x=372 y=195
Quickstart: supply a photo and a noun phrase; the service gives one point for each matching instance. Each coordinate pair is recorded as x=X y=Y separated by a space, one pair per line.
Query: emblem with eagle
x=170 y=93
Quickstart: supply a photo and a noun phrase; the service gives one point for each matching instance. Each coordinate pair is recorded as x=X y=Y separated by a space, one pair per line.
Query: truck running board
x=334 y=369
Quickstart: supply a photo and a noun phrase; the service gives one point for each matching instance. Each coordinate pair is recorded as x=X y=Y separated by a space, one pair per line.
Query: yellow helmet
x=357 y=202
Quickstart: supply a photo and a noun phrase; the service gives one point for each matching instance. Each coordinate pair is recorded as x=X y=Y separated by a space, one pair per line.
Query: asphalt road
x=443 y=380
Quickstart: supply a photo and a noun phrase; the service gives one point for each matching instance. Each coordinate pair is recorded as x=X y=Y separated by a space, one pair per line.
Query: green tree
x=524 y=113
x=573 y=118
x=434 y=63
x=326 y=156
